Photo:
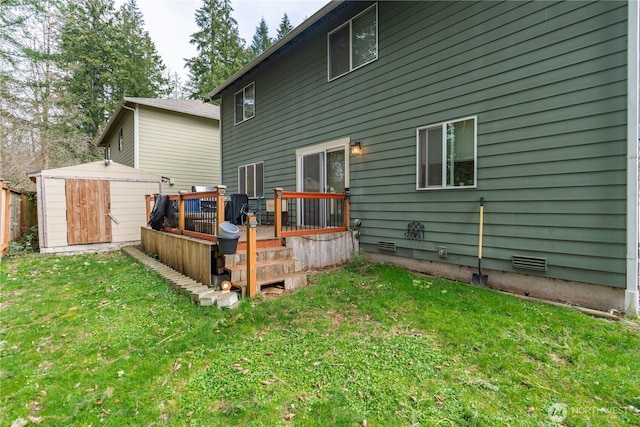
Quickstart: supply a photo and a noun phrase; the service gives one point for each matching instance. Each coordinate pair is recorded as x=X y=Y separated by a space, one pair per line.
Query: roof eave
x=216 y=93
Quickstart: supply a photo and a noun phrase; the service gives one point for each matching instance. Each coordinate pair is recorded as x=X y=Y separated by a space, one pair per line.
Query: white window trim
x=335 y=145
x=349 y=23
x=254 y=177
x=244 y=119
x=444 y=155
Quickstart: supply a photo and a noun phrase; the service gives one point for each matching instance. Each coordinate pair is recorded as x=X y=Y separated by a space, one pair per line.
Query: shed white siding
x=55 y=213
x=128 y=208
x=128 y=187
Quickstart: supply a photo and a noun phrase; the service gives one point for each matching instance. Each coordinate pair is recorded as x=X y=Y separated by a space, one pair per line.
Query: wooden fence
x=17 y=214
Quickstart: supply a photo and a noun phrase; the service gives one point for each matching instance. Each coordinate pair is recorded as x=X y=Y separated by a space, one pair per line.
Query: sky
x=170 y=23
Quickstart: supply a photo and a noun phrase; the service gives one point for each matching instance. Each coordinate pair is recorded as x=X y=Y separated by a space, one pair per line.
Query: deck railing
x=295 y=213
x=193 y=214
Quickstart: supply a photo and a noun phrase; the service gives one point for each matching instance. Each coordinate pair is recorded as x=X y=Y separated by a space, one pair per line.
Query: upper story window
x=354 y=44
x=245 y=100
x=447 y=154
x=120 y=138
x=251 y=179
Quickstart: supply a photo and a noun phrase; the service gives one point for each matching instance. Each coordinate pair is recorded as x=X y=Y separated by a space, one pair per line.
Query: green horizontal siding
x=547 y=83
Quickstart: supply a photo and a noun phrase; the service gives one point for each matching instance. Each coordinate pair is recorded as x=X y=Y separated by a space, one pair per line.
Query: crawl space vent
x=387 y=246
x=529 y=263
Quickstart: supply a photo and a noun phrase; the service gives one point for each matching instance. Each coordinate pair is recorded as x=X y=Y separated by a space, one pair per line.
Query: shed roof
x=97 y=170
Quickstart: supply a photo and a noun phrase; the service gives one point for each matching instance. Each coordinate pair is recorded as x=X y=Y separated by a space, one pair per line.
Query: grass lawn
x=98 y=340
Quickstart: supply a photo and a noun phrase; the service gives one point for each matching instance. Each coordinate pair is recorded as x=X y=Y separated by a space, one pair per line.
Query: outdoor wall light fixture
x=356 y=148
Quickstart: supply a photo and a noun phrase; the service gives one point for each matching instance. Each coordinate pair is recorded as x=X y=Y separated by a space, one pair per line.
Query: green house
x=421 y=109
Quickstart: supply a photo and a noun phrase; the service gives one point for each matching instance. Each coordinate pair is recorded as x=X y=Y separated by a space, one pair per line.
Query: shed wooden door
x=88 y=204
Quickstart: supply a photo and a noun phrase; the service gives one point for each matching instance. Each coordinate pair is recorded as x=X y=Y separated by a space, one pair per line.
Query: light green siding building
x=176 y=138
x=532 y=106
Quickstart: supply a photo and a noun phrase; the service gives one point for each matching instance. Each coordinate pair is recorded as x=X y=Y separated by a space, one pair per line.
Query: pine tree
x=36 y=132
x=220 y=49
x=87 y=56
x=261 y=40
x=175 y=89
x=284 y=28
x=64 y=66
x=108 y=55
x=139 y=71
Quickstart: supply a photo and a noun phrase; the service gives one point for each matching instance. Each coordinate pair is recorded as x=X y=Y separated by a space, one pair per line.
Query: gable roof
x=193 y=107
x=292 y=37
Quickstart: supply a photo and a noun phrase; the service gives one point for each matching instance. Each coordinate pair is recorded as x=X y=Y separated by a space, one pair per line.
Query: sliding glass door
x=321 y=171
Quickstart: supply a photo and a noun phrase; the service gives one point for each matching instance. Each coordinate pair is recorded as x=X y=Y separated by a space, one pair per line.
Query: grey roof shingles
x=194 y=107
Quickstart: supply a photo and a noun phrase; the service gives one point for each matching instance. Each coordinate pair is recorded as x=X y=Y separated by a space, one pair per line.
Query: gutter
x=633 y=125
x=136 y=148
x=216 y=93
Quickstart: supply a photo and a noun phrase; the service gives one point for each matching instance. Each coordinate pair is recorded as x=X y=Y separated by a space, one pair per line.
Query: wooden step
x=265 y=269
x=262 y=243
x=262 y=254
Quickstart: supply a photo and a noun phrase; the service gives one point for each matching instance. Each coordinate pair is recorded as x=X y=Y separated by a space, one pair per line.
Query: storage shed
x=92 y=207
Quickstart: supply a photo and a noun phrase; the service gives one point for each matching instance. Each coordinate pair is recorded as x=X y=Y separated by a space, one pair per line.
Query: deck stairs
x=273 y=265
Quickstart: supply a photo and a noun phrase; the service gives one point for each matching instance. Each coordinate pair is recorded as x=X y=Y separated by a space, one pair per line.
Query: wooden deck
x=265 y=237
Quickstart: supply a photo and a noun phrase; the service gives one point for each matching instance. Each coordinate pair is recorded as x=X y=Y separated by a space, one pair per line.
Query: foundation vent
x=387 y=246
x=529 y=263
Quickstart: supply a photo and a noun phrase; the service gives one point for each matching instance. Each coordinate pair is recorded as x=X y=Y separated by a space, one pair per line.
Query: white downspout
x=633 y=118
x=136 y=155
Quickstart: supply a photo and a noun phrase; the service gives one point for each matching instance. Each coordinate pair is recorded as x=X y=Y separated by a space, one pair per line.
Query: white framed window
x=251 y=179
x=353 y=44
x=120 y=138
x=446 y=154
x=245 y=101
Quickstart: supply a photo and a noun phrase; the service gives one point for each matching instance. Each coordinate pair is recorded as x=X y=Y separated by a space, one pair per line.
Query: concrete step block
x=206 y=298
x=194 y=290
x=295 y=281
x=227 y=299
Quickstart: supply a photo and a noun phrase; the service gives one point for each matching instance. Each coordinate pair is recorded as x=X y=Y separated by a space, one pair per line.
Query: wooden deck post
x=180 y=213
x=148 y=200
x=347 y=207
x=251 y=256
x=277 y=212
x=220 y=207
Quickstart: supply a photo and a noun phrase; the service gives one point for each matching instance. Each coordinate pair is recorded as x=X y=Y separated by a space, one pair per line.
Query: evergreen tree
x=64 y=66
x=220 y=49
x=139 y=71
x=284 y=28
x=87 y=55
x=261 y=40
x=175 y=89
x=108 y=55
x=35 y=131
